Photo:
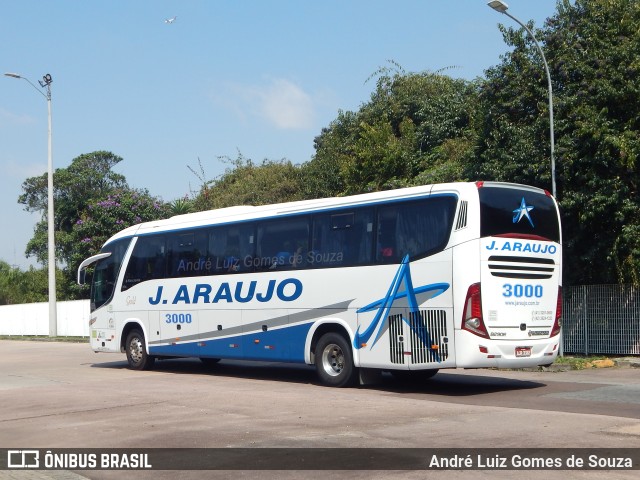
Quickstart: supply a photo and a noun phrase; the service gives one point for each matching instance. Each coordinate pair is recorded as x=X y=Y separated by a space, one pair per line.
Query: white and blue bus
x=408 y=281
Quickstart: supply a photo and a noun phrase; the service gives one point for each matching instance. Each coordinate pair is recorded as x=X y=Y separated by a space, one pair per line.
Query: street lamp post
x=53 y=317
x=500 y=6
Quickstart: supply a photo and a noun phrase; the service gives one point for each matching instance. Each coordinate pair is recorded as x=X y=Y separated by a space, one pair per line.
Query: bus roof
x=247 y=212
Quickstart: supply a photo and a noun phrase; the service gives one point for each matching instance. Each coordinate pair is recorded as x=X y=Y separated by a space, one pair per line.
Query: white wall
x=33 y=319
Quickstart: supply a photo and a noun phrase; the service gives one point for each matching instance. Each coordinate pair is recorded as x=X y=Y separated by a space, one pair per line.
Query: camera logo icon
x=23 y=459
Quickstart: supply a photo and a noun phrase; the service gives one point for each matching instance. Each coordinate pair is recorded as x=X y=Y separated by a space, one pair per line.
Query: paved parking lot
x=57 y=395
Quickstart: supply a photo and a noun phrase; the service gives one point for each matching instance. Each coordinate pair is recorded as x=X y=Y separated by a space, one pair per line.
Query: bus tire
x=334 y=361
x=136 y=349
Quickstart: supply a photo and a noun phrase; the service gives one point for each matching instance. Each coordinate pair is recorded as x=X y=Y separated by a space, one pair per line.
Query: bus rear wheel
x=334 y=361
x=136 y=349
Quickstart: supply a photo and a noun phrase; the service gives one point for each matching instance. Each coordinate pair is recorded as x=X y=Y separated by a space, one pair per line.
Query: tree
x=17 y=286
x=591 y=48
x=88 y=177
x=417 y=128
x=322 y=175
x=249 y=184
x=514 y=132
x=597 y=68
x=102 y=219
x=91 y=203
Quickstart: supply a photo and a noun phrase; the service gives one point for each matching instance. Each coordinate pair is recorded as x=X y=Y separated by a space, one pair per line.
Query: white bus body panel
x=203 y=316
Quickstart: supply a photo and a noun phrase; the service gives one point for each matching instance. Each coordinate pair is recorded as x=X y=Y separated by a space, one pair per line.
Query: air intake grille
x=428 y=329
x=426 y=335
x=521 y=267
x=396 y=339
x=462 y=215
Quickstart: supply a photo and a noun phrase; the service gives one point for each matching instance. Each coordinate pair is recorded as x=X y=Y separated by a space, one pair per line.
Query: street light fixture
x=500 y=6
x=53 y=317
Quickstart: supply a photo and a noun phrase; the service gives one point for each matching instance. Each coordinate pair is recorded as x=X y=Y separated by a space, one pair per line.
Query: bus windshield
x=519 y=212
x=105 y=274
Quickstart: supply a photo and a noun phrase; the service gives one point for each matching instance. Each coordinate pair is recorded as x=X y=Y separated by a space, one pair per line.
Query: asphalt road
x=62 y=395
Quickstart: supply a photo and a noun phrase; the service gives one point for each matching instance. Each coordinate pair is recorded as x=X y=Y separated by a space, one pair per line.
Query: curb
x=595 y=364
x=627 y=363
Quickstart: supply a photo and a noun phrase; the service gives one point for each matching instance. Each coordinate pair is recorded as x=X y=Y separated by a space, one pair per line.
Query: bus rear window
x=519 y=212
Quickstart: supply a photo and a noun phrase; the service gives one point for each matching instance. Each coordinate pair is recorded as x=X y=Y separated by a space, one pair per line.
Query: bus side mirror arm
x=82 y=268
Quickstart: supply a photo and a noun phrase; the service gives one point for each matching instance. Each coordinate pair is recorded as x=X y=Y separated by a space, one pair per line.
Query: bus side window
x=282 y=244
x=187 y=254
x=231 y=254
x=246 y=246
x=231 y=249
x=387 y=250
x=147 y=261
x=342 y=239
x=417 y=229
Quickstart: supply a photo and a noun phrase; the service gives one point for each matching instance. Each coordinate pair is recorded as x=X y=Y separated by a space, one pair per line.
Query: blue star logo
x=523 y=212
x=383 y=306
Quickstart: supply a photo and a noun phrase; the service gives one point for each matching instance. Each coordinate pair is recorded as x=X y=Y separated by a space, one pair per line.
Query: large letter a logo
x=383 y=306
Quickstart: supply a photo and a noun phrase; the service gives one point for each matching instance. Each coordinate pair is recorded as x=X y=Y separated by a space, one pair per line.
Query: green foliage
x=514 y=132
x=416 y=128
x=103 y=218
x=596 y=45
x=91 y=203
x=88 y=177
x=592 y=50
x=381 y=159
x=30 y=286
x=249 y=184
x=181 y=206
x=322 y=175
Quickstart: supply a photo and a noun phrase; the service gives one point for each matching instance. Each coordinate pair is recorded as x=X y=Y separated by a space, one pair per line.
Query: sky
x=255 y=77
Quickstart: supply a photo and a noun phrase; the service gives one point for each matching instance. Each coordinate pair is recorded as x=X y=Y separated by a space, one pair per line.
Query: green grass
x=578 y=362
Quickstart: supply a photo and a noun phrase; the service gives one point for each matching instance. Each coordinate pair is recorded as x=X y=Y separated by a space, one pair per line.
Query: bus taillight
x=472 y=316
x=558 y=322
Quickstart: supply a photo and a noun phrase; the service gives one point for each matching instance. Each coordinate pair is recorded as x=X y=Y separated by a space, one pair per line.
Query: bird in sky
x=169 y=21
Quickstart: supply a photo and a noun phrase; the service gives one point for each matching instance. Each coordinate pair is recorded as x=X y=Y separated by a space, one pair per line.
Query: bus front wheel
x=136 y=349
x=334 y=361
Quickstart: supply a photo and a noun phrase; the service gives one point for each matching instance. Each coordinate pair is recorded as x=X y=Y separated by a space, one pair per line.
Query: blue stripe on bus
x=281 y=345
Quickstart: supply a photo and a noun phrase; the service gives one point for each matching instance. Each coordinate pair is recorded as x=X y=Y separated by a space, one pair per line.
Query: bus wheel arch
x=135 y=347
x=321 y=330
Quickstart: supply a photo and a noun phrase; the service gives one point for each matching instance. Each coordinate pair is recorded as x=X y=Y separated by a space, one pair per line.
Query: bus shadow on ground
x=443 y=383
x=458 y=385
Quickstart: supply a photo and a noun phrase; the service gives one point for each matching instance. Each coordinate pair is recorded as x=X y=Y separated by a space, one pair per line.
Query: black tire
x=136 y=348
x=334 y=361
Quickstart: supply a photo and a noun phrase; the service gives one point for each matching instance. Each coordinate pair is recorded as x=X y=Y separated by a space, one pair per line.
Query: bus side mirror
x=82 y=276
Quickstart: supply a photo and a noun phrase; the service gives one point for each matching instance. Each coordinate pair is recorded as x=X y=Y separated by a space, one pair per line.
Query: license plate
x=523 y=351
